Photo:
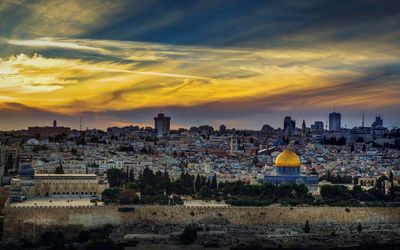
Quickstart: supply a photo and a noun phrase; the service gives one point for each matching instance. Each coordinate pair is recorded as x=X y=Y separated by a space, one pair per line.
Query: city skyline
x=240 y=64
x=309 y=124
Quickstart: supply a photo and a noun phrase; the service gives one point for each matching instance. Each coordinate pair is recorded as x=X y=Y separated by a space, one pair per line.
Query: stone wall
x=31 y=222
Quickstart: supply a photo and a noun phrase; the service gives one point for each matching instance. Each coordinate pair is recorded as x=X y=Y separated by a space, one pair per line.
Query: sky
x=239 y=63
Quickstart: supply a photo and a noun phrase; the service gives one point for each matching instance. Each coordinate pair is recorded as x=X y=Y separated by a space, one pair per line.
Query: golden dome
x=287 y=158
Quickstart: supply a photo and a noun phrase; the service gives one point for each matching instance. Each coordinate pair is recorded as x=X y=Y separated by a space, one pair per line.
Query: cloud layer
x=201 y=61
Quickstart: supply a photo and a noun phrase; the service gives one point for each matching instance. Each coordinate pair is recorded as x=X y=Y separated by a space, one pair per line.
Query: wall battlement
x=30 y=222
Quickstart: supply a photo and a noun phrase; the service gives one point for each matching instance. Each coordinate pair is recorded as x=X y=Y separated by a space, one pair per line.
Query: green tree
x=359 y=227
x=9 y=164
x=380 y=186
x=59 y=169
x=55 y=239
x=307 y=227
x=147 y=178
x=128 y=196
x=197 y=183
x=83 y=236
x=148 y=190
x=256 y=161
x=187 y=180
x=131 y=175
x=115 y=177
x=103 y=244
x=110 y=195
x=205 y=192
x=338 y=192
x=203 y=180
x=357 y=192
x=214 y=184
x=189 y=235
x=177 y=187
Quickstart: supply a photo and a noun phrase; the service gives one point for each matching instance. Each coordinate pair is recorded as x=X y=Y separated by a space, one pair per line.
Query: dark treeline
x=157 y=188
x=336 y=179
x=241 y=194
x=339 y=195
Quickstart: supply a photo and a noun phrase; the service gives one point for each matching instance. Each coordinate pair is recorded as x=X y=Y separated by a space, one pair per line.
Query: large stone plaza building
x=48 y=131
x=29 y=184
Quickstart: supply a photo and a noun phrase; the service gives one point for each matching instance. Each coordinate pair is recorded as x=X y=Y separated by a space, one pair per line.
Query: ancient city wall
x=30 y=222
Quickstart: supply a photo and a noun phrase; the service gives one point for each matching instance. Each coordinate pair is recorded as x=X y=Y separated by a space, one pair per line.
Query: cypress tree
x=131 y=176
x=214 y=184
x=197 y=183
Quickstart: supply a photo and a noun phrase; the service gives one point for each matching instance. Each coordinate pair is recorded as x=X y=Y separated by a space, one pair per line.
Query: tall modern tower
x=288 y=122
x=335 y=120
x=162 y=124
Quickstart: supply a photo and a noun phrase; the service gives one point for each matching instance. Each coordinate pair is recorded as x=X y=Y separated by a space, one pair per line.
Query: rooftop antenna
x=334 y=107
x=363 y=118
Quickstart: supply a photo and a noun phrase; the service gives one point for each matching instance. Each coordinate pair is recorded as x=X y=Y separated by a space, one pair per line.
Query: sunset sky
x=241 y=63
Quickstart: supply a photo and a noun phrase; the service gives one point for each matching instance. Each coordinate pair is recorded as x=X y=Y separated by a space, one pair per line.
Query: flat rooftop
x=55 y=202
x=66 y=175
x=201 y=203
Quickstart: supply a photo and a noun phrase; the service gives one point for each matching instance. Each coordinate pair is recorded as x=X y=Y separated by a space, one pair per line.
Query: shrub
x=359 y=227
x=189 y=235
x=105 y=244
x=306 y=227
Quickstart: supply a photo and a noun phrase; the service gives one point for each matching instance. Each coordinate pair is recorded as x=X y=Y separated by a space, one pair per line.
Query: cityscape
x=199 y=125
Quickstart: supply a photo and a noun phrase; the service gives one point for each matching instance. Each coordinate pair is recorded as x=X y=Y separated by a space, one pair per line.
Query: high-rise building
x=288 y=122
x=222 y=129
x=335 y=120
x=289 y=128
x=162 y=125
x=318 y=126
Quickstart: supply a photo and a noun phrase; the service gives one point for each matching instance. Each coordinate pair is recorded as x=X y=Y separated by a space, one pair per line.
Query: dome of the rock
x=287 y=158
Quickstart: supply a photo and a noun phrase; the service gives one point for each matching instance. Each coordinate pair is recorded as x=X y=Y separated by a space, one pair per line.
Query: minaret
x=234 y=144
x=303 y=129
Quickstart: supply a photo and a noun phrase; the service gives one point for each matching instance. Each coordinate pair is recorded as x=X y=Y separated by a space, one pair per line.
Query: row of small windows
x=73 y=193
x=70 y=182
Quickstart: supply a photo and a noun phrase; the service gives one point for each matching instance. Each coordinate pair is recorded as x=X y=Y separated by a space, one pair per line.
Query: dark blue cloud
x=259 y=23
x=255 y=23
